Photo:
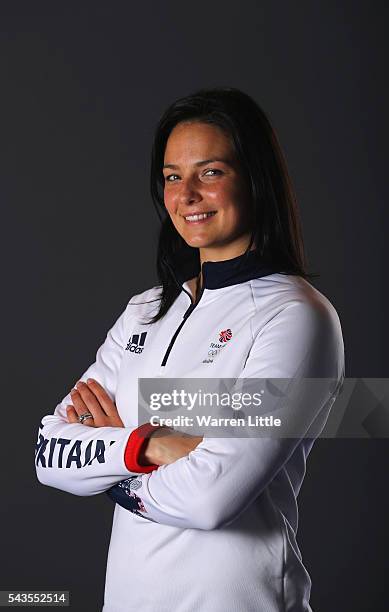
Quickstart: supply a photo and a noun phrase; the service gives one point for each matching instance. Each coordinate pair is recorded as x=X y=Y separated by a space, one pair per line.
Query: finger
x=79 y=405
x=103 y=397
x=71 y=414
x=73 y=417
x=90 y=400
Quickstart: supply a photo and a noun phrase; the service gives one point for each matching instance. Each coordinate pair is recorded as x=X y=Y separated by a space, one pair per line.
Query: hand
x=92 y=397
x=166 y=445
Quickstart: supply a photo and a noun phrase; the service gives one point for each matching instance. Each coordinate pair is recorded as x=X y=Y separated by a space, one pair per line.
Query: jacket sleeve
x=215 y=482
x=88 y=460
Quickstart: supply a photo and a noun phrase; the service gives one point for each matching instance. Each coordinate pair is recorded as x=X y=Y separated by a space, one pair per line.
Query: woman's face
x=202 y=175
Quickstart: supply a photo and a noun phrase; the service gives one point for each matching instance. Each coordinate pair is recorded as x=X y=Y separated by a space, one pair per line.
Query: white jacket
x=214 y=531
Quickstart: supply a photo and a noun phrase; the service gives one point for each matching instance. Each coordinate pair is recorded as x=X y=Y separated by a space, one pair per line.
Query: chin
x=199 y=243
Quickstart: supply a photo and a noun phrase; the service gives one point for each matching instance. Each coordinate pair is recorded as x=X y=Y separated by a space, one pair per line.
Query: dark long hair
x=276 y=232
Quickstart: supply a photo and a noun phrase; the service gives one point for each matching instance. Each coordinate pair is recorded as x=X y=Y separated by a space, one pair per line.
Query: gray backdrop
x=82 y=86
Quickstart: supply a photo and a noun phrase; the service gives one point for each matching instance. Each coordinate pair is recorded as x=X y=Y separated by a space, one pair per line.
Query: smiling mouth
x=199 y=218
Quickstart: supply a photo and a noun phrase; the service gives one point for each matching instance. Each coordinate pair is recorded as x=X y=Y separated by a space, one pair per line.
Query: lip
x=200 y=220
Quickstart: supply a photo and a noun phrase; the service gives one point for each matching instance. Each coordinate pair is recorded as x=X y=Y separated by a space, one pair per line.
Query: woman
x=206 y=523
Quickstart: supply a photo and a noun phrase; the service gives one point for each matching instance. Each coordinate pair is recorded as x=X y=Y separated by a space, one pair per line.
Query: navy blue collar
x=217 y=274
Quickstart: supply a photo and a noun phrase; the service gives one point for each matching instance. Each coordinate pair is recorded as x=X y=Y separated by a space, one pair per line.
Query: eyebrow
x=203 y=162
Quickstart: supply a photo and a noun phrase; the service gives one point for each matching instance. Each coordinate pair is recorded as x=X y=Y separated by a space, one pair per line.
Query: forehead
x=195 y=141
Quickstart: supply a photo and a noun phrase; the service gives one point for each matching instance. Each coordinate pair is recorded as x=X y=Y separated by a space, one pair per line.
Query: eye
x=213 y=170
x=170 y=177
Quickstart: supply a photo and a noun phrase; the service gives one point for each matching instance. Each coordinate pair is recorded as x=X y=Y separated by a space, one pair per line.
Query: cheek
x=171 y=209
x=169 y=201
x=232 y=199
x=218 y=194
x=233 y=203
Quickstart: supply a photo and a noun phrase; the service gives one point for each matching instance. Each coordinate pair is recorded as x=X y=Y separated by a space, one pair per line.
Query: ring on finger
x=85 y=416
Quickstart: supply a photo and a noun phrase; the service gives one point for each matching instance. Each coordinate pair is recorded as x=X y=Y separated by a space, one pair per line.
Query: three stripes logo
x=225 y=335
x=136 y=343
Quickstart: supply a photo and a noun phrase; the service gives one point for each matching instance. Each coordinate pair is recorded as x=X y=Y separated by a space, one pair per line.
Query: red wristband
x=134 y=447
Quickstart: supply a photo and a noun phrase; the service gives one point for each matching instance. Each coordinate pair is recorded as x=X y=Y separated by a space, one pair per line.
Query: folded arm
x=217 y=480
x=84 y=459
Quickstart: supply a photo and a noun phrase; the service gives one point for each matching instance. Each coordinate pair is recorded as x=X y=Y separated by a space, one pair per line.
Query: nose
x=189 y=193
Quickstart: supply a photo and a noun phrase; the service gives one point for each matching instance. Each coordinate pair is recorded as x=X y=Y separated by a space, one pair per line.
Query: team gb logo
x=215 y=347
x=225 y=335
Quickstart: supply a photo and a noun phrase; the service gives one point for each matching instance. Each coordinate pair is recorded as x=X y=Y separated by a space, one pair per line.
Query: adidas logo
x=136 y=343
